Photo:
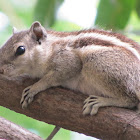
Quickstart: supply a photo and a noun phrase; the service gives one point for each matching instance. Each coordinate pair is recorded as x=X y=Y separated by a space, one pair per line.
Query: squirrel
x=102 y=64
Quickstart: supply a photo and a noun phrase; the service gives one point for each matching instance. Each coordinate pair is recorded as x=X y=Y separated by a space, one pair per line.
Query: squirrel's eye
x=20 y=50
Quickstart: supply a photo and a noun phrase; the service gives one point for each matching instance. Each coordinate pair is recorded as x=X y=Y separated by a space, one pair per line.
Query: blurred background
x=66 y=15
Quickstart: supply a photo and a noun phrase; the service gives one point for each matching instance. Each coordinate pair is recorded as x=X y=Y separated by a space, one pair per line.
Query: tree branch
x=63 y=108
x=11 y=131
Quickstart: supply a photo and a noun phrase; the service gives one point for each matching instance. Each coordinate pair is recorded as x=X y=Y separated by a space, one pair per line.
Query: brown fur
x=107 y=70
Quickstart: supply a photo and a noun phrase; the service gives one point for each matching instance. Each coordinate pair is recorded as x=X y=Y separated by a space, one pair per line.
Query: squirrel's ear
x=38 y=31
x=15 y=30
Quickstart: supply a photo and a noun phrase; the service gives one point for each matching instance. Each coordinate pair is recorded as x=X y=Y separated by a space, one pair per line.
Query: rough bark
x=63 y=108
x=11 y=131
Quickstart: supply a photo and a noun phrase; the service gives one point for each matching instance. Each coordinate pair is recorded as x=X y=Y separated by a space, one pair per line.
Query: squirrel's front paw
x=92 y=104
x=27 y=96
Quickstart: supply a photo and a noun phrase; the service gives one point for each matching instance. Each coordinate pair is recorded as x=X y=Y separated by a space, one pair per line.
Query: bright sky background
x=81 y=12
x=4 y=21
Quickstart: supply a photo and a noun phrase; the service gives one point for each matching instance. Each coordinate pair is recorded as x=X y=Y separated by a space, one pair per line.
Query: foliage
x=138 y=7
x=115 y=14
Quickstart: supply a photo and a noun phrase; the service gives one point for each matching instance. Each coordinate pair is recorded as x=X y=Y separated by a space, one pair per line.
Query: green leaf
x=45 y=11
x=62 y=25
x=114 y=14
x=138 y=7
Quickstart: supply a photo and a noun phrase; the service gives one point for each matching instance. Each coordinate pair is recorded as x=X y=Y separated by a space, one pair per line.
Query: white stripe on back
x=112 y=39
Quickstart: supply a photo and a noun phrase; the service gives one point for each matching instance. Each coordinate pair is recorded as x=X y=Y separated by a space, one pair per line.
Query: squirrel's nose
x=1 y=71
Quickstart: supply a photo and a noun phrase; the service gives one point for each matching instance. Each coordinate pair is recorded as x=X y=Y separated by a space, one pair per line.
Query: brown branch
x=11 y=131
x=62 y=107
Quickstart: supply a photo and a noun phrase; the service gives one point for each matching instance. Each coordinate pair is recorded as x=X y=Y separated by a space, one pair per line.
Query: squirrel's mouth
x=6 y=69
x=10 y=70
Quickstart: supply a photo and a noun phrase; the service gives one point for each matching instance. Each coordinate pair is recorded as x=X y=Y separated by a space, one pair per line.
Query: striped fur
x=96 y=37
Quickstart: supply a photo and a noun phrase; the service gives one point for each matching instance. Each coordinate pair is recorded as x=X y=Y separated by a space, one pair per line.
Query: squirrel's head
x=17 y=54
